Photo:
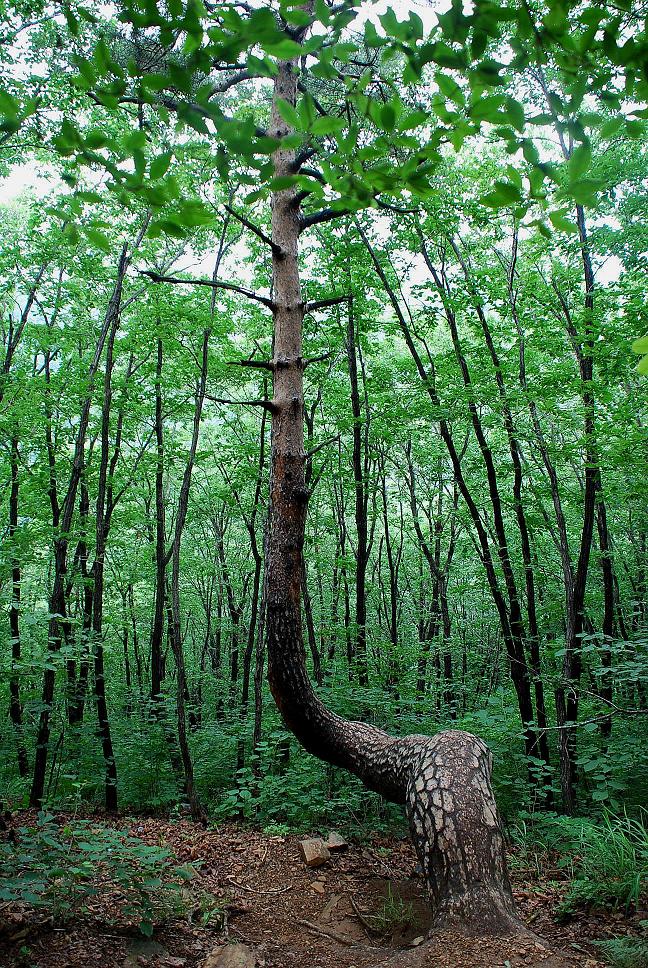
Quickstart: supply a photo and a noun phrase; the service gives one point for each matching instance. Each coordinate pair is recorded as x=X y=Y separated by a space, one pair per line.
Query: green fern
x=625 y=952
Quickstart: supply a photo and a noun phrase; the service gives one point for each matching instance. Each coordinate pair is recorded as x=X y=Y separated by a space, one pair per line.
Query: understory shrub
x=308 y=795
x=626 y=952
x=61 y=867
x=613 y=864
x=606 y=859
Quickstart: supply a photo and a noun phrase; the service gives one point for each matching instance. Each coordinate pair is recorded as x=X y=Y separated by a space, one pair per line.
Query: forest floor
x=253 y=890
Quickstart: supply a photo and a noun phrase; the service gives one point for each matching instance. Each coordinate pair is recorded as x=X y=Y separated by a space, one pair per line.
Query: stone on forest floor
x=231 y=956
x=331 y=904
x=141 y=950
x=336 y=841
x=314 y=851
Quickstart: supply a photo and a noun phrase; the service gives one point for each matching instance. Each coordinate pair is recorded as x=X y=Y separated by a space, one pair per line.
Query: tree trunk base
x=479 y=912
x=457 y=834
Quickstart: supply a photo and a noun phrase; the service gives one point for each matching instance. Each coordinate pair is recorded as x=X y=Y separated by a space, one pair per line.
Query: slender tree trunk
x=136 y=651
x=440 y=616
x=247 y=657
x=234 y=607
x=128 y=678
x=58 y=607
x=609 y=616
x=175 y=631
x=518 y=667
x=533 y=637
x=104 y=509
x=157 y=632
x=15 y=702
x=310 y=628
x=515 y=621
x=78 y=684
x=568 y=692
x=361 y=495
x=343 y=543
x=391 y=607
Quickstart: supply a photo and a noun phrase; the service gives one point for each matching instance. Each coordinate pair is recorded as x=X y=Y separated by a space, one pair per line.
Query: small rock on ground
x=231 y=956
x=140 y=950
x=336 y=841
x=314 y=851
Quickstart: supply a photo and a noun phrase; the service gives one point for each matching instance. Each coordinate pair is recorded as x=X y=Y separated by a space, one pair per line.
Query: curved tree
x=444 y=781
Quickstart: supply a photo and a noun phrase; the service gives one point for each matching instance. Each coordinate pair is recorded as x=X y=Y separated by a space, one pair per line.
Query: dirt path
x=365 y=907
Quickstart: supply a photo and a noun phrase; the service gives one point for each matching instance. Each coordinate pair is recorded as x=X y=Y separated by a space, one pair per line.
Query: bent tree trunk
x=444 y=781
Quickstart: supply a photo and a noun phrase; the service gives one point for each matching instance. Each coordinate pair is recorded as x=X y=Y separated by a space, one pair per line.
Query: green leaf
x=449 y=87
x=307 y=111
x=343 y=52
x=134 y=141
x=413 y=120
x=160 y=165
x=488 y=109
x=284 y=49
x=193 y=213
x=102 y=58
x=584 y=190
x=514 y=113
x=168 y=227
x=388 y=116
x=280 y=184
x=255 y=196
x=328 y=125
x=579 y=161
x=640 y=345
x=561 y=223
x=611 y=128
x=288 y=113
x=96 y=139
x=503 y=194
x=71 y=20
x=99 y=239
x=9 y=105
x=322 y=12
x=262 y=67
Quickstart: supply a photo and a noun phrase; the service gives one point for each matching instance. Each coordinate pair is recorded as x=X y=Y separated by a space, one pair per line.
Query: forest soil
x=365 y=907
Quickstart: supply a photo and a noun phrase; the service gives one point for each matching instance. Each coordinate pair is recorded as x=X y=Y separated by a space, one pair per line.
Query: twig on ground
x=244 y=887
x=333 y=935
x=361 y=918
